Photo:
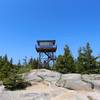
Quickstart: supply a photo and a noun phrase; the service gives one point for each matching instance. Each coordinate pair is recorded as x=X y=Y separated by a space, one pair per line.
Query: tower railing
x=46 y=48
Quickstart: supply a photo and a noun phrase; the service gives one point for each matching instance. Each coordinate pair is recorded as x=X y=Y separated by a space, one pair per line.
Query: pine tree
x=5 y=67
x=59 y=66
x=86 y=61
x=19 y=64
x=33 y=63
x=25 y=61
x=11 y=61
x=5 y=58
x=65 y=62
x=79 y=64
x=9 y=76
x=68 y=60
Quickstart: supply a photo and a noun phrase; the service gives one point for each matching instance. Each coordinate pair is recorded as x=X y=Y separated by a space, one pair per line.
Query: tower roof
x=39 y=41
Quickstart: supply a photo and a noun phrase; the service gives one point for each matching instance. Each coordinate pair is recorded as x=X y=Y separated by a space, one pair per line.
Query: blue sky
x=72 y=22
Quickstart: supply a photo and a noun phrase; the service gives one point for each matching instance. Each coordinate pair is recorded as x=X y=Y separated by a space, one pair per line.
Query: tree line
x=86 y=62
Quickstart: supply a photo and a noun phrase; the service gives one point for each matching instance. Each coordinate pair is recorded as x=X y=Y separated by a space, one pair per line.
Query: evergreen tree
x=11 y=61
x=19 y=64
x=79 y=63
x=65 y=62
x=5 y=67
x=59 y=66
x=25 y=61
x=8 y=74
x=33 y=63
x=68 y=60
x=86 y=61
x=5 y=58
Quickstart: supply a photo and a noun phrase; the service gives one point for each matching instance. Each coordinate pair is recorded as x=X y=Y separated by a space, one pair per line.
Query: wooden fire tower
x=46 y=50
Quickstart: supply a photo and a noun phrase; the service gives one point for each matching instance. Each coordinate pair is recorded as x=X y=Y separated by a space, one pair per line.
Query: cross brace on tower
x=46 y=50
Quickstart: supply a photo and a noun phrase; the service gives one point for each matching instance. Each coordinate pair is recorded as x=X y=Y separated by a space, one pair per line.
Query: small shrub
x=15 y=82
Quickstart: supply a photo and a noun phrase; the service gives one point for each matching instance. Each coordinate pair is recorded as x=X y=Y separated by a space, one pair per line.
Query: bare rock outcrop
x=50 y=85
x=74 y=82
x=93 y=79
x=70 y=81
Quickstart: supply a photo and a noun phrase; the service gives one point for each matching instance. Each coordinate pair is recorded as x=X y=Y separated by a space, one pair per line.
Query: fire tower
x=46 y=50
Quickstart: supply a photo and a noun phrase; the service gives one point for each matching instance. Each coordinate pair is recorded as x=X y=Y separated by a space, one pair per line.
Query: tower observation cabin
x=46 y=50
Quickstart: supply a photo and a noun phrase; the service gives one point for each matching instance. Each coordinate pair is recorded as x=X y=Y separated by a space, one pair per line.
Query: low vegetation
x=9 y=75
